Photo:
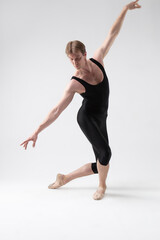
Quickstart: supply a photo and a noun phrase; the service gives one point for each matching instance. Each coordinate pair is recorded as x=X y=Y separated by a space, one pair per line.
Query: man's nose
x=75 y=61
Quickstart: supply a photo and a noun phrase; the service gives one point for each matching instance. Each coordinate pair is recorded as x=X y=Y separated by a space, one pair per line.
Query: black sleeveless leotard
x=92 y=116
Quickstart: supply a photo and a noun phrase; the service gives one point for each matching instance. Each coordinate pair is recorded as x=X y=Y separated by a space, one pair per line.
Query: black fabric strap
x=98 y=64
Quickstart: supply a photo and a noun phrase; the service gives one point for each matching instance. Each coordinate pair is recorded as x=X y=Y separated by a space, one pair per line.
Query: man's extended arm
x=113 y=32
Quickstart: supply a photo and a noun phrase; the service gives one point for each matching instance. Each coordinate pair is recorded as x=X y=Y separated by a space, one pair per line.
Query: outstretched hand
x=133 y=5
x=33 y=138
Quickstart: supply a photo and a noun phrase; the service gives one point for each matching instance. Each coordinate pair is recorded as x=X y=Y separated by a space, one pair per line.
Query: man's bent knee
x=105 y=157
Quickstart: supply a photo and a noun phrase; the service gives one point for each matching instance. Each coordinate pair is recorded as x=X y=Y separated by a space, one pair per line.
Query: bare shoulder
x=71 y=86
x=74 y=86
x=98 y=55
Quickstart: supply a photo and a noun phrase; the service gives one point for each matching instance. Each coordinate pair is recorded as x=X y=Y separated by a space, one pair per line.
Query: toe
x=98 y=195
x=51 y=185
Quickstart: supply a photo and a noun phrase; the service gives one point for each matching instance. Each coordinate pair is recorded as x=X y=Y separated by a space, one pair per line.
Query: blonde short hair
x=75 y=46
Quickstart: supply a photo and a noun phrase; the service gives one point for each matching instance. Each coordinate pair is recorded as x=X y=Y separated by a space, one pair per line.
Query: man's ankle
x=102 y=186
x=66 y=179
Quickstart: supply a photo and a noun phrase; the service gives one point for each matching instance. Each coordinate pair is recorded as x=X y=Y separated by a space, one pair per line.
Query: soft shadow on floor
x=124 y=192
x=135 y=188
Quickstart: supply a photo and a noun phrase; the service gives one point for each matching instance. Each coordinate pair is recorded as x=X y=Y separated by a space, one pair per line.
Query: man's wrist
x=37 y=131
x=126 y=7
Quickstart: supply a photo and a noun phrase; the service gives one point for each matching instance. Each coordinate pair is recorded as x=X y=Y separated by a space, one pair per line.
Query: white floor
x=128 y=211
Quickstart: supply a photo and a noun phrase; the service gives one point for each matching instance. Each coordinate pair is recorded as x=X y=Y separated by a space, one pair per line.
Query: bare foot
x=60 y=181
x=99 y=194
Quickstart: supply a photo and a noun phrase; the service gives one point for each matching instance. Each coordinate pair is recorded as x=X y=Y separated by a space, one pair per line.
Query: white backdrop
x=35 y=71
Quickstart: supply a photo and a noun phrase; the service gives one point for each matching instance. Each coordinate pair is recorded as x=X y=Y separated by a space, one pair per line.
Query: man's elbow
x=61 y=107
x=113 y=33
x=58 y=111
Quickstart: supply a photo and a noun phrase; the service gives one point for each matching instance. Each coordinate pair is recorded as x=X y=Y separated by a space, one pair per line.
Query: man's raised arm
x=113 y=32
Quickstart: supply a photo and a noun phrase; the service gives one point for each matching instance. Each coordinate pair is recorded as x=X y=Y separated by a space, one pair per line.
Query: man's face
x=77 y=59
